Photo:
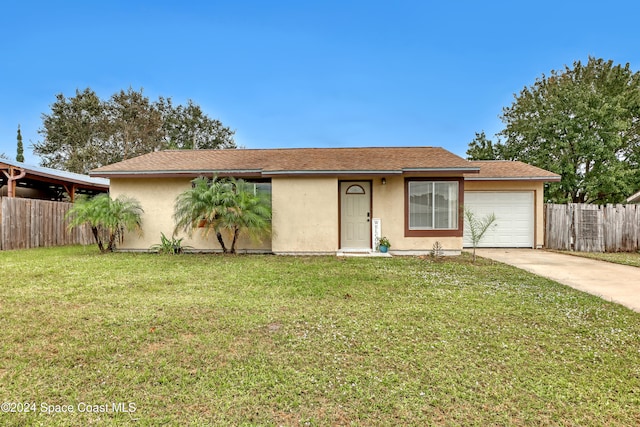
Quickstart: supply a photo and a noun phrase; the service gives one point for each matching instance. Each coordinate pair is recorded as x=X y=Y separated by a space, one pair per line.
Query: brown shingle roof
x=507 y=170
x=292 y=160
x=268 y=162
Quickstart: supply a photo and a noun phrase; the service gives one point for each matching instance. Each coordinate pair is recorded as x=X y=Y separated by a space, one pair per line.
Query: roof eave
x=331 y=172
x=515 y=178
x=56 y=178
x=71 y=180
x=635 y=198
x=463 y=169
x=267 y=173
x=175 y=173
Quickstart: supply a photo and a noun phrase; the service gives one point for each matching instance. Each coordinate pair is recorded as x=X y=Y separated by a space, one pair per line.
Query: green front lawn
x=267 y=340
x=625 y=258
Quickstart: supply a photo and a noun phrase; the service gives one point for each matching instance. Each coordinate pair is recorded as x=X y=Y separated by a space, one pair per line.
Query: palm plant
x=223 y=204
x=477 y=227
x=108 y=218
x=201 y=207
x=248 y=212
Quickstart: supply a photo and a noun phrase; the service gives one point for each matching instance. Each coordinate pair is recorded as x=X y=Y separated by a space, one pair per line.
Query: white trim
x=333 y=172
x=284 y=172
x=516 y=178
x=176 y=172
x=457 y=169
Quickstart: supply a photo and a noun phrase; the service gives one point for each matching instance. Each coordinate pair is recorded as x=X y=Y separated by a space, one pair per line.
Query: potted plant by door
x=384 y=245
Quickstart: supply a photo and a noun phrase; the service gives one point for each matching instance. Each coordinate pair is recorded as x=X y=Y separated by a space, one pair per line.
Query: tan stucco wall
x=305 y=215
x=157 y=196
x=538 y=199
x=388 y=205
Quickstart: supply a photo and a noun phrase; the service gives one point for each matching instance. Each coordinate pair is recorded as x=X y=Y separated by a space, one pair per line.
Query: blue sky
x=305 y=73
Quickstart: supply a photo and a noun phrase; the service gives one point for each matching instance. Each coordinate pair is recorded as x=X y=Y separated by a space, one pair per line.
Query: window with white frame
x=433 y=205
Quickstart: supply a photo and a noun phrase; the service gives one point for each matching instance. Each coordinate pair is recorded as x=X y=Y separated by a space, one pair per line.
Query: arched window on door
x=355 y=189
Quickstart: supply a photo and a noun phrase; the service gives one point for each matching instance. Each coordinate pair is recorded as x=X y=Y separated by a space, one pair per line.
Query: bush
x=168 y=246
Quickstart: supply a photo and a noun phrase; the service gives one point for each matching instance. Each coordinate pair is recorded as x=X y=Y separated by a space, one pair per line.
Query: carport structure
x=36 y=182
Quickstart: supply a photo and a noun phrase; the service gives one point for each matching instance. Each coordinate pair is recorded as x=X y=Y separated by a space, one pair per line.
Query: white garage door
x=514 y=218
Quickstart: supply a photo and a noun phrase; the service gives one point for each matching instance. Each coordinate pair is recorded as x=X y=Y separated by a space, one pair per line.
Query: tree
x=201 y=207
x=108 y=218
x=74 y=133
x=247 y=211
x=134 y=126
x=223 y=204
x=84 y=132
x=584 y=124
x=188 y=128
x=482 y=148
x=477 y=227
x=20 y=147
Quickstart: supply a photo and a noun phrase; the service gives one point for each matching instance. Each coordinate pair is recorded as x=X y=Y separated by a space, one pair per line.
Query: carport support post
x=11 y=185
x=71 y=192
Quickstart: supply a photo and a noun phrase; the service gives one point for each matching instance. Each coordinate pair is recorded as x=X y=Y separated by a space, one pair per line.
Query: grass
x=625 y=258
x=267 y=340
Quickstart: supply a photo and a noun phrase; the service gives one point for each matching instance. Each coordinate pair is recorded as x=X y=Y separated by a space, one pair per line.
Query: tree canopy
x=186 y=127
x=482 y=148
x=83 y=132
x=582 y=123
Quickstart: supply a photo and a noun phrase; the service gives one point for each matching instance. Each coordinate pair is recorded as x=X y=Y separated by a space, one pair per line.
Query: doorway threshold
x=362 y=253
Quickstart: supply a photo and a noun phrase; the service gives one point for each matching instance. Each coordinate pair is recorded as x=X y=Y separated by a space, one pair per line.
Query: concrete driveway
x=613 y=282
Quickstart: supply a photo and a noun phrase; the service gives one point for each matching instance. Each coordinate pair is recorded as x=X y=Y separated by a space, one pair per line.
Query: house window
x=255 y=185
x=433 y=208
x=355 y=189
x=262 y=187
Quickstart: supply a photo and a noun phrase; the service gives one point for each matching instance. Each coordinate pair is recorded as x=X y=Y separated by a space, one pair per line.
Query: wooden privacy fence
x=31 y=223
x=592 y=228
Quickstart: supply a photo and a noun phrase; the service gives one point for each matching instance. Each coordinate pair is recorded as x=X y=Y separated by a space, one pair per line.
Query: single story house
x=332 y=200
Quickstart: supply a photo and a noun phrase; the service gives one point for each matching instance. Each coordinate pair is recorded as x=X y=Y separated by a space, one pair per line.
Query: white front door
x=355 y=215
